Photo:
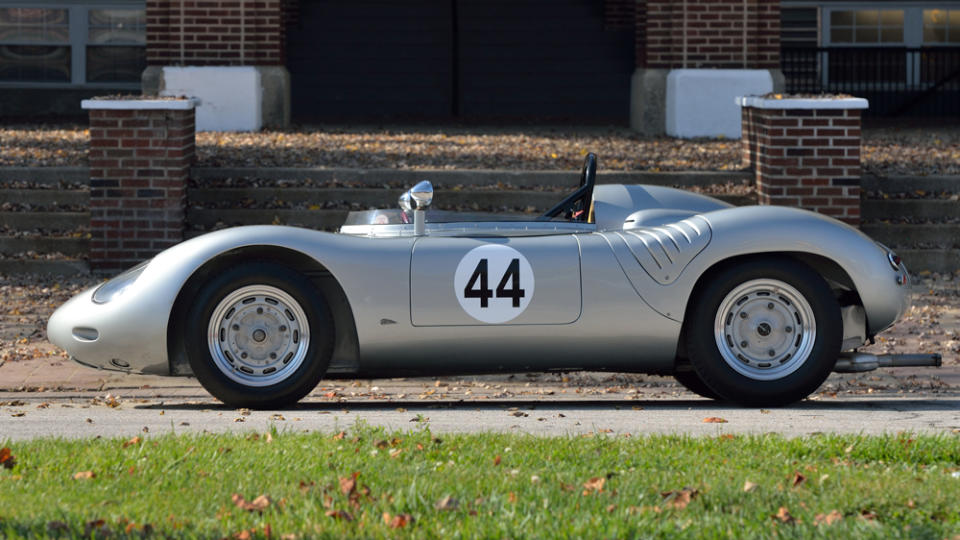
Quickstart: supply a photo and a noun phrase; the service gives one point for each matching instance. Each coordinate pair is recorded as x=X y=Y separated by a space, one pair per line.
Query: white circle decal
x=493 y=283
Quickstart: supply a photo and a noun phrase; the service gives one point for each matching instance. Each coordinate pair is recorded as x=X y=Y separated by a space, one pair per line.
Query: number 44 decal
x=484 y=293
x=482 y=267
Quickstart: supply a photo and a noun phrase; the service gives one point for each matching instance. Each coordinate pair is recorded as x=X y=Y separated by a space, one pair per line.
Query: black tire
x=740 y=338
x=278 y=310
x=691 y=381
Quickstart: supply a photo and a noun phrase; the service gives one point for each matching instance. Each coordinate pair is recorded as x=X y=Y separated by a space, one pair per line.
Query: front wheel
x=691 y=381
x=259 y=335
x=765 y=332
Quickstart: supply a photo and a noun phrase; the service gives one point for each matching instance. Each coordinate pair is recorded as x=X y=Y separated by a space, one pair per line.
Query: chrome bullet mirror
x=422 y=194
x=405 y=202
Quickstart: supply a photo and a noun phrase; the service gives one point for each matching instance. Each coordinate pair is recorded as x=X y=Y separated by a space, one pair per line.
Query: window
x=76 y=44
x=866 y=26
x=941 y=26
x=116 y=45
x=34 y=45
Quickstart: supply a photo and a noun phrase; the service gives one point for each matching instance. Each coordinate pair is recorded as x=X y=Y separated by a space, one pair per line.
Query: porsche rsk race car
x=755 y=305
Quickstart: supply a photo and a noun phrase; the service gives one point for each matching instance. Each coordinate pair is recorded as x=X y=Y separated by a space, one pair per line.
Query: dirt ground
x=886 y=150
x=931 y=326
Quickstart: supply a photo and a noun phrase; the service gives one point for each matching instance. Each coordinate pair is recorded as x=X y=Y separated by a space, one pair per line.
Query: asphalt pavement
x=53 y=397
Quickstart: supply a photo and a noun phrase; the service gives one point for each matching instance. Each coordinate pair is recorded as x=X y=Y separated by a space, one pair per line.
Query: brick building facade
x=215 y=32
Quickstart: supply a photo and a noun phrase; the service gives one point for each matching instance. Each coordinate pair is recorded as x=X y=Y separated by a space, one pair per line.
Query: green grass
x=879 y=487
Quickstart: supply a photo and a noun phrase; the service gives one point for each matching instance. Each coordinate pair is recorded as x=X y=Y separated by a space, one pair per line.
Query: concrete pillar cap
x=163 y=104
x=787 y=102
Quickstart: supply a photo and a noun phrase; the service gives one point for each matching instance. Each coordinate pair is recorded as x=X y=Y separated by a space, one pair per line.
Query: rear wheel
x=764 y=332
x=691 y=381
x=259 y=335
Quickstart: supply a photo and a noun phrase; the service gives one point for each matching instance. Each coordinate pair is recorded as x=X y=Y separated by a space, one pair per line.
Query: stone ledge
x=758 y=102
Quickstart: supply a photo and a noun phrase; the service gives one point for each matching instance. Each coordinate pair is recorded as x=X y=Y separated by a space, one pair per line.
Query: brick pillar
x=140 y=156
x=805 y=153
x=740 y=36
x=729 y=34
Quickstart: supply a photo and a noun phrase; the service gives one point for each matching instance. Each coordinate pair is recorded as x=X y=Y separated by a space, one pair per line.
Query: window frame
x=78 y=41
x=950 y=29
x=912 y=33
x=912 y=22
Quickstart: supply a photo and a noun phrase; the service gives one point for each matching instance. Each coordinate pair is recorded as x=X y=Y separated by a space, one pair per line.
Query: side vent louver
x=665 y=251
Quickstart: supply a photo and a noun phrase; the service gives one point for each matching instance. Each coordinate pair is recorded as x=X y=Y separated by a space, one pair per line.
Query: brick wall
x=216 y=32
x=734 y=34
x=806 y=158
x=619 y=14
x=139 y=164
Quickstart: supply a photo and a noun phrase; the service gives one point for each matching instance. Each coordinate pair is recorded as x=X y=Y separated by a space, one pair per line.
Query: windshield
x=395 y=216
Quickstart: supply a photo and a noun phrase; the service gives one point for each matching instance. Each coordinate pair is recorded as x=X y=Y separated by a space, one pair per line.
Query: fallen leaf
x=749 y=486
x=829 y=519
x=7 y=459
x=398 y=521
x=349 y=484
x=133 y=441
x=340 y=436
x=681 y=498
x=339 y=514
x=84 y=475
x=594 y=484
x=783 y=516
x=447 y=503
x=257 y=505
x=97 y=527
x=798 y=479
x=714 y=420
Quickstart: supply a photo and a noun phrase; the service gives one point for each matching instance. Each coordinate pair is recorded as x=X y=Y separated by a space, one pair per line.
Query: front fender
x=133 y=327
x=753 y=230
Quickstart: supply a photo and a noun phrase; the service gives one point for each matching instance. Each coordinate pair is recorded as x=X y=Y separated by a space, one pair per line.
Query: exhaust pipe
x=857 y=362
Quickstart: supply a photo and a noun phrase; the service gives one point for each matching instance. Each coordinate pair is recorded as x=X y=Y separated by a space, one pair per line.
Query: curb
x=476 y=177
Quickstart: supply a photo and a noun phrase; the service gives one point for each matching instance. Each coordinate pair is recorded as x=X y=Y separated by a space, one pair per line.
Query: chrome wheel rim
x=765 y=329
x=258 y=335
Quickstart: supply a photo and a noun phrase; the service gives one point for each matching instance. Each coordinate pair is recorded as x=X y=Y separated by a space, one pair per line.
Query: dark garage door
x=370 y=59
x=467 y=59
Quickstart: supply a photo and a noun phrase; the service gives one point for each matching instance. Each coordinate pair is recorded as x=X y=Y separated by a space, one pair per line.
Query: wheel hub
x=258 y=335
x=765 y=329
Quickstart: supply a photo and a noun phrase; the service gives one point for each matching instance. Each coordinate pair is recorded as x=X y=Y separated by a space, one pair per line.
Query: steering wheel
x=576 y=206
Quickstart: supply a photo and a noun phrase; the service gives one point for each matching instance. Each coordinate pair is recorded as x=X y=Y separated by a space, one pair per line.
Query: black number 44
x=484 y=293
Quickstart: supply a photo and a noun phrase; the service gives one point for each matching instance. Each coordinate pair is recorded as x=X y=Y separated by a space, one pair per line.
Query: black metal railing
x=898 y=81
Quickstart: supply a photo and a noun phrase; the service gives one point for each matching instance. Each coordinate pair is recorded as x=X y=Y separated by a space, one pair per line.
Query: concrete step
x=314 y=219
x=467 y=177
x=60 y=221
x=932 y=260
x=47 y=197
x=387 y=198
x=875 y=209
x=910 y=184
x=45 y=175
x=44 y=244
x=63 y=267
x=899 y=235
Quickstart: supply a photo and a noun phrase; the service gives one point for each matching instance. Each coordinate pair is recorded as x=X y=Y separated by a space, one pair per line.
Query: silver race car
x=755 y=305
